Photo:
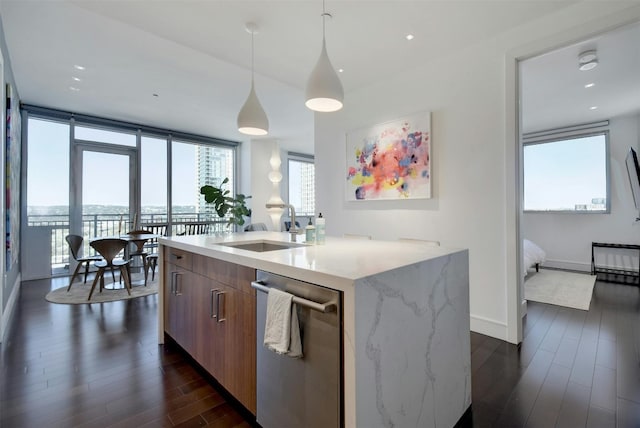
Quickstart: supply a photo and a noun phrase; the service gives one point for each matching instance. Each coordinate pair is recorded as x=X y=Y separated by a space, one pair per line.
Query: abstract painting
x=12 y=179
x=391 y=160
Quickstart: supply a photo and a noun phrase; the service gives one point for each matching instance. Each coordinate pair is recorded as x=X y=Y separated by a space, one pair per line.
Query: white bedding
x=531 y=255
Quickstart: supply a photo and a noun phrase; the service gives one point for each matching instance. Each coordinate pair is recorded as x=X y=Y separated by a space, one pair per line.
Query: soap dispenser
x=310 y=233
x=320 y=225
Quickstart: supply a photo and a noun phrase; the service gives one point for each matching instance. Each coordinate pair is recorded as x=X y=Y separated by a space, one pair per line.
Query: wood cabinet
x=178 y=299
x=210 y=310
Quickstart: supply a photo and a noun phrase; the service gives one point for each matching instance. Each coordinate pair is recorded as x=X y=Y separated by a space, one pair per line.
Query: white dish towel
x=281 y=330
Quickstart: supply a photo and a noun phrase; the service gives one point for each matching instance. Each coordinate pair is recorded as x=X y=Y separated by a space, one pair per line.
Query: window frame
x=555 y=137
x=301 y=158
x=73 y=120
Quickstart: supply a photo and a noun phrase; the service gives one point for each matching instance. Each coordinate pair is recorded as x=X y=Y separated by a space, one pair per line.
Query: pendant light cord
x=252 y=33
x=324 y=15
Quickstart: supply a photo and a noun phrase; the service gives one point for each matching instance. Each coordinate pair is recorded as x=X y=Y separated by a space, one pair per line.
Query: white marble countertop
x=336 y=264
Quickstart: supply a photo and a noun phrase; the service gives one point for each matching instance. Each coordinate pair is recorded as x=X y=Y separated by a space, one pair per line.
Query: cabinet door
x=239 y=324
x=170 y=300
x=179 y=319
x=209 y=344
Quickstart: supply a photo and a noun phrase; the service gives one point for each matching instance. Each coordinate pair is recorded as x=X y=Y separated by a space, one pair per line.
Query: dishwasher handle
x=320 y=307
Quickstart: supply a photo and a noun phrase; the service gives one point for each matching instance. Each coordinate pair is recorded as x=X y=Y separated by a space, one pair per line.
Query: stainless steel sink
x=262 y=246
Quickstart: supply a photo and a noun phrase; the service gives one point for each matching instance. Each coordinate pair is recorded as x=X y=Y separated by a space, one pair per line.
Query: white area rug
x=79 y=292
x=557 y=287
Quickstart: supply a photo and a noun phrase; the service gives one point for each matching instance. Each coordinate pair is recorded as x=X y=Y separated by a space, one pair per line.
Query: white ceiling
x=553 y=88
x=196 y=54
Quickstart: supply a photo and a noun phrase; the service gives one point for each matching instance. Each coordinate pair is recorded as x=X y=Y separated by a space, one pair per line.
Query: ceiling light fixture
x=74 y=89
x=587 y=60
x=324 y=90
x=593 y=108
x=409 y=36
x=78 y=67
x=589 y=85
x=77 y=79
x=252 y=120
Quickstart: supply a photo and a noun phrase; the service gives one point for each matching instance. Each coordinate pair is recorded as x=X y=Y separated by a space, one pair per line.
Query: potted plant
x=225 y=205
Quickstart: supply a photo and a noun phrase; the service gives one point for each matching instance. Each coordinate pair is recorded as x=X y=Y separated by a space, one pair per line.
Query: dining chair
x=152 y=258
x=139 y=252
x=196 y=228
x=159 y=229
x=109 y=248
x=75 y=247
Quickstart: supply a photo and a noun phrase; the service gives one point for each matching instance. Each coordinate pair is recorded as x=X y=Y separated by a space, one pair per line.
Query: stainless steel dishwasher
x=304 y=392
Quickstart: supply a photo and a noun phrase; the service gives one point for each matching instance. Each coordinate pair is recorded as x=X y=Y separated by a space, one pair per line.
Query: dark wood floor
x=573 y=369
x=99 y=366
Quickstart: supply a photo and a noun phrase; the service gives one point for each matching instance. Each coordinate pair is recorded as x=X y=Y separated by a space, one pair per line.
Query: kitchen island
x=406 y=350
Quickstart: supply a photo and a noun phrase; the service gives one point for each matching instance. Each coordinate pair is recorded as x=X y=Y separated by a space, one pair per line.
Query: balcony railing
x=111 y=225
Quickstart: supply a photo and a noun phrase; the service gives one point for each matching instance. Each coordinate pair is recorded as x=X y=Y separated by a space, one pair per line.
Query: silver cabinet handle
x=178 y=284
x=320 y=307
x=172 y=288
x=220 y=318
x=211 y=314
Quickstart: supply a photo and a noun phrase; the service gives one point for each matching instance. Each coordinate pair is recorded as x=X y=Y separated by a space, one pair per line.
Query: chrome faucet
x=293 y=230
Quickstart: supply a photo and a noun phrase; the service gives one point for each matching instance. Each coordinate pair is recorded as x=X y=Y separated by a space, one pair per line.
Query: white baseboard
x=8 y=310
x=564 y=264
x=489 y=327
x=523 y=308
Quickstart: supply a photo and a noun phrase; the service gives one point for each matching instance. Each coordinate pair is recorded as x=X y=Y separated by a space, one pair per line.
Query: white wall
x=261 y=187
x=566 y=238
x=474 y=202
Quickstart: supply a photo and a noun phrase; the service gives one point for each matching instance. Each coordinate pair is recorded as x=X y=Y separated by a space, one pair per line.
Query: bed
x=532 y=255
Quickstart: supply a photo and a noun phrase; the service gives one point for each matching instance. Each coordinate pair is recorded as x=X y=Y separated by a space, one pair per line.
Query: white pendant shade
x=252 y=120
x=324 y=90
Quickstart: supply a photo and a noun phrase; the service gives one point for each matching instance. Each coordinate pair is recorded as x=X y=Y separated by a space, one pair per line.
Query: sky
x=560 y=175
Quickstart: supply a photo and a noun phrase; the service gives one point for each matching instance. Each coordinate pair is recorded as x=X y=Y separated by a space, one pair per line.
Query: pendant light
x=324 y=90
x=252 y=120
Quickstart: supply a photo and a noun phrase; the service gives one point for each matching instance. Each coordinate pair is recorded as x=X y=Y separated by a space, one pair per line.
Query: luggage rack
x=620 y=276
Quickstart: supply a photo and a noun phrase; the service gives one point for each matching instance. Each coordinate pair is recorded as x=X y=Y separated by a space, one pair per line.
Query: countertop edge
x=351 y=260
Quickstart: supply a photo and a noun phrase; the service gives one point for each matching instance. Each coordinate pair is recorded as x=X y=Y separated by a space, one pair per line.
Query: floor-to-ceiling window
x=212 y=164
x=95 y=177
x=47 y=190
x=302 y=182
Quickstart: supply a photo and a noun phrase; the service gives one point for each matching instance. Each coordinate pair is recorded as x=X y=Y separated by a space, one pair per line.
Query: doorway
x=559 y=99
x=103 y=190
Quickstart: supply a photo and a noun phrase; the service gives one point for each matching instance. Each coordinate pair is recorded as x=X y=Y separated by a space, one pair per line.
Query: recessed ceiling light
x=409 y=36
x=340 y=70
x=593 y=108
x=78 y=67
x=73 y=88
x=77 y=79
x=589 y=85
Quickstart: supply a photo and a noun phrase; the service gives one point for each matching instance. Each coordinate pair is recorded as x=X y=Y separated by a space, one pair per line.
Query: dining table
x=139 y=240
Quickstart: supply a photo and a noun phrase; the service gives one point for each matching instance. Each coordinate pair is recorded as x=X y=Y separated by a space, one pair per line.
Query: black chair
x=287 y=225
x=75 y=247
x=139 y=250
x=152 y=259
x=255 y=227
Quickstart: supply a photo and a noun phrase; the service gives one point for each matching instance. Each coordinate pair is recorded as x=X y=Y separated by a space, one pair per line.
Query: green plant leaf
x=224 y=205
